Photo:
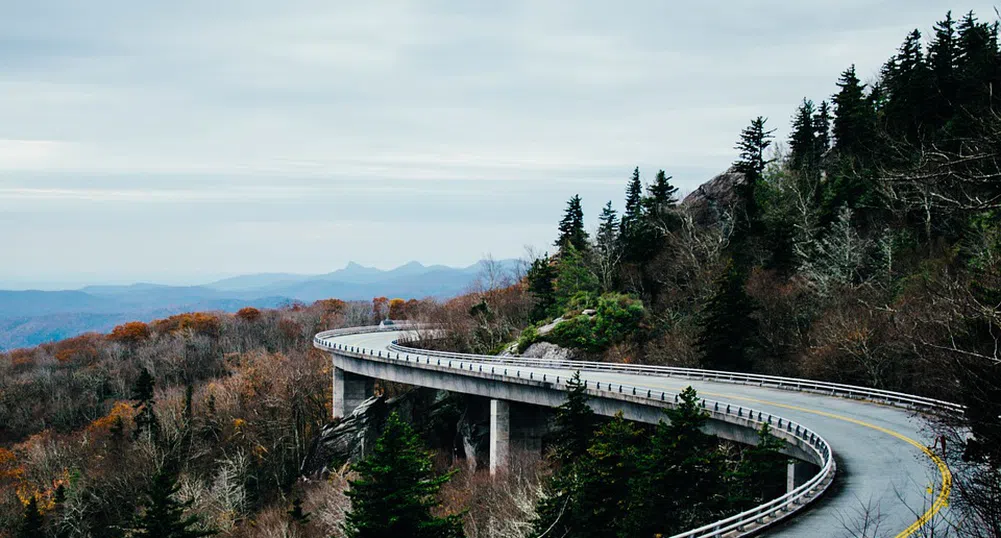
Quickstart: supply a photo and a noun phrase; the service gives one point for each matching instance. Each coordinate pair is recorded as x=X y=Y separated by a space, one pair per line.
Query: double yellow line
x=941 y=500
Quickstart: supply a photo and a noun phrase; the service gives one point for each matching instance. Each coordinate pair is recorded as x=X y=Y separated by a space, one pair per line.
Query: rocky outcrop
x=453 y=423
x=718 y=195
x=547 y=351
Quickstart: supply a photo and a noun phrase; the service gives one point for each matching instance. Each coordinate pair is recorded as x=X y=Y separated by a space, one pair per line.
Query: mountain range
x=32 y=317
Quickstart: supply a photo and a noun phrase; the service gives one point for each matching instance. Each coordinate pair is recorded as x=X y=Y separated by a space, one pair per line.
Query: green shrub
x=618 y=316
x=528 y=337
x=574 y=333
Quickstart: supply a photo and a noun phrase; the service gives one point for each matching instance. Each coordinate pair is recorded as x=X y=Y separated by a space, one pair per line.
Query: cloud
x=447 y=118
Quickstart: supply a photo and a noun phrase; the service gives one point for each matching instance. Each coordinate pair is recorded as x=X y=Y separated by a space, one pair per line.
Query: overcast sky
x=181 y=141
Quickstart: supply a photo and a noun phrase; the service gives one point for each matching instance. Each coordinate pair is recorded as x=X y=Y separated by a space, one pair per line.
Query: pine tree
x=573 y=276
x=587 y=498
x=822 y=128
x=728 y=332
x=908 y=85
x=803 y=140
x=572 y=226
x=680 y=481
x=32 y=521
x=634 y=204
x=608 y=230
x=660 y=202
x=396 y=490
x=574 y=423
x=754 y=141
x=943 y=55
x=163 y=515
x=541 y=277
x=145 y=419
x=759 y=475
x=854 y=119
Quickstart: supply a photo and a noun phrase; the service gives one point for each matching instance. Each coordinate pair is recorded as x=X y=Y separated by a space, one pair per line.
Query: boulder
x=713 y=198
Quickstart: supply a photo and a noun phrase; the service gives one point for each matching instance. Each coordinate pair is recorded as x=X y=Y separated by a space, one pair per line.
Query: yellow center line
x=943 y=495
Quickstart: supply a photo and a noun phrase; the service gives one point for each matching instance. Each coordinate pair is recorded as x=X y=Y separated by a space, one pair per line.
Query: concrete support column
x=350 y=391
x=500 y=436
x=797 y=473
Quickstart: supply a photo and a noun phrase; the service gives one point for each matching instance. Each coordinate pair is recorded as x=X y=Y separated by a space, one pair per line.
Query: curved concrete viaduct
x=881 y=454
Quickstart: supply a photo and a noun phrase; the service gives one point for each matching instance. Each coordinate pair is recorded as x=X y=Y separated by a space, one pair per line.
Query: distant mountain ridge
x=32 y=317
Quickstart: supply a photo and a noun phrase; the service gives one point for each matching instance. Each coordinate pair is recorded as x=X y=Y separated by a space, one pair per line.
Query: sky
x=183 y=141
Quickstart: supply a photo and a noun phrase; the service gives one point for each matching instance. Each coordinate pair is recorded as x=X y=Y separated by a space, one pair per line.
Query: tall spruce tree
x=541 y=277
x=943 y=56
x=607 y=237
x=142 y=393
x=574 y=423
x=728 y=336
x=758 y=478
x=163 y=515
x=659 y=204
x=680 y=482
x=803 y=144
x=572 y=226
x=633 y=213
x=854 y=118
x=396 y=489
x=754 y=141
x=907 y=81
x=822 y=128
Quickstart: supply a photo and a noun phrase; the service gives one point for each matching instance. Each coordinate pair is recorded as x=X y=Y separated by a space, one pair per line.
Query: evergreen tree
x=608 y=229
x=634 y=204
x=908 y=84
x=163 y=515
x=728 y=332
x=803 y=143
x=573 y=276
x=541 y=276
x=978 y=64
x=853 y=121
x=660 y=202
x=396 y=490
x=572 y=226
x=142 y=392
x=822 y=128
x=754 y=141
x=574 y=423
x=759 y=477
x=943 y=54
x=680 y=481
x=587 y=498
x=32 y=521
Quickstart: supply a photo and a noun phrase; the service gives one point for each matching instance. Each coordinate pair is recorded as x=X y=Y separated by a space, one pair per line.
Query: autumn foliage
x=130 y=333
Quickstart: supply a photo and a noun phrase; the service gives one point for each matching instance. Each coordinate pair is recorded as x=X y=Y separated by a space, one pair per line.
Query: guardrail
x=896 y=399
x=743 y=523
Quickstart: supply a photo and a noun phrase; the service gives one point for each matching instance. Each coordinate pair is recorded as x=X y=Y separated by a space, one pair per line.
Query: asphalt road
x=880 y=470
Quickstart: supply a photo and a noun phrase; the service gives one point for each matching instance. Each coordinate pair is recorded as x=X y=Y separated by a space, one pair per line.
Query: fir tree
x=822 y=128
x=853 y=121
x=573 y=276
x=163 y=515
x=680 y=481
x=608 y=229
x=396 y=490
x=943 y=55
x=633 y=214
x=145 y=419
x=803 y=139
x=572 y=227
x=754 y=141
x=32 y=521
x=759 y=475
x=541 y=277
x=908 y=84
x=660 y=202
x=728 y=332
x=574 y=423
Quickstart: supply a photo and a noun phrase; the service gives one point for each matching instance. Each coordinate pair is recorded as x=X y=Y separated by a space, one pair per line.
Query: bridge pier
x=500 y=436
x=350 y=390
x=798 y=472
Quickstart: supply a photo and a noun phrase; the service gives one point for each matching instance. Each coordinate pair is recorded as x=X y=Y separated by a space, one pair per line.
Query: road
x=883 y=468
